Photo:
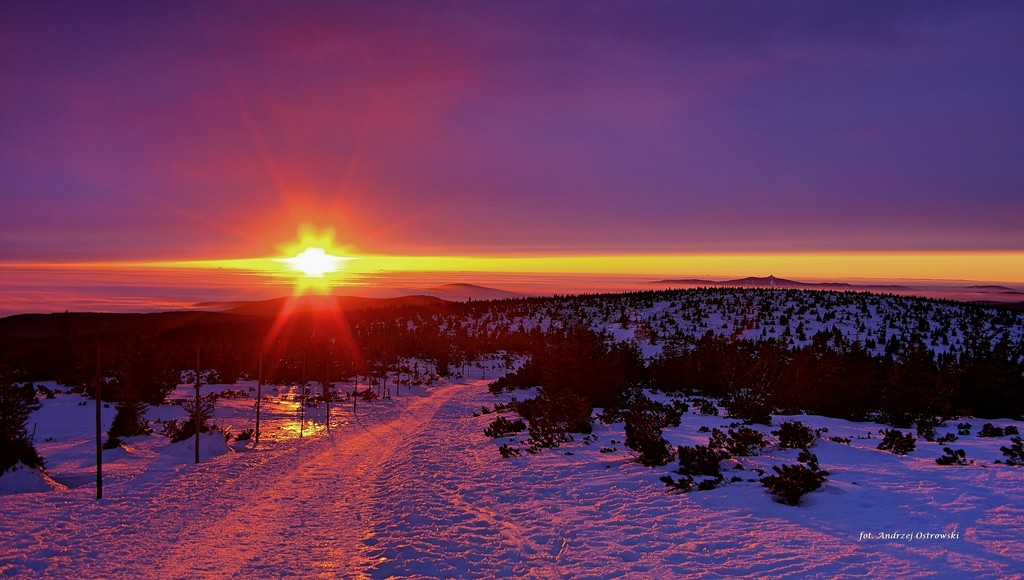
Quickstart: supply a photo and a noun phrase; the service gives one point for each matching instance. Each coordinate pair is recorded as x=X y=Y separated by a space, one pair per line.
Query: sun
x=315 y=262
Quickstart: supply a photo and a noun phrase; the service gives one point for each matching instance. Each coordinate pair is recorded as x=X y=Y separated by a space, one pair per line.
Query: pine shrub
x=17 y=402
x=182 y=429
x=1015 y=452
x=795 y=435
x=706 y=407
x=507 y=451
x=128 y=422
x=742 y=442
x=751 y=406
x=926 y=428
x=990 y=430
x=897 y=442
x=791 y=482
x=683 y=484
x=700 y=460
x=553 y=417
x=958 y=457
x=501 y=427
x=645 y=419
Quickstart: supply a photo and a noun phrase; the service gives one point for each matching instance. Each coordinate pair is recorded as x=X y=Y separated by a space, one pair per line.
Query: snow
x=411 y=486
x=24 y=479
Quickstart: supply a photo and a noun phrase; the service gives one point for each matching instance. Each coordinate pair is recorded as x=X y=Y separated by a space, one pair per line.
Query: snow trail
x=289 y=508
x=316 y=515
x=412 y=487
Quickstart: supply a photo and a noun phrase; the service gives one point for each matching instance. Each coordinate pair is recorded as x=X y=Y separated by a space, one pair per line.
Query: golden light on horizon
x=991 y=266
x=315 y=258
x=315 y=262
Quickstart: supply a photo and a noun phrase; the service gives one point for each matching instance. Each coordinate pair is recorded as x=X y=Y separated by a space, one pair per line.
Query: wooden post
x=326 y=388
x=99 y=423
x=302 y=399
x=197 y=409
x=259 y=398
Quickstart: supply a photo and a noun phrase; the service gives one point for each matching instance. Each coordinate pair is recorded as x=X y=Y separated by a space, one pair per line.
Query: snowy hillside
x=411 y=486
x=795 y=316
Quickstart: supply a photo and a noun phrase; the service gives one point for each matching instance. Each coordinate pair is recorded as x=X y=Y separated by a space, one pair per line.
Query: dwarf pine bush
x=17 y=403
x=989 y=430
x=1015 y=452
x=791 y=482
x=645 y=419
x=897 y=442
x=958 y=457
x=501 y=427
x=700 y=460
x=795 y=435
x=740 y=443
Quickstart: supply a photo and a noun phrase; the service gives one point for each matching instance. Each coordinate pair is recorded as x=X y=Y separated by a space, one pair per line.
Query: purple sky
x=193 y=130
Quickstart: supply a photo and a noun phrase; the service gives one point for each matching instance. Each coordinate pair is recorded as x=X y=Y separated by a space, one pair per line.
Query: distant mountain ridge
x=457 y=292
x=316 y=304
x=462 y=292
x=774 y=282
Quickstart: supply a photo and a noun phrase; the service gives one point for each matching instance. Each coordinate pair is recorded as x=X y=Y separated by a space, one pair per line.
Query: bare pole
x=302 y=397
x=326 y=388
x=197 y=405
x=99 y=427
x=259 y=397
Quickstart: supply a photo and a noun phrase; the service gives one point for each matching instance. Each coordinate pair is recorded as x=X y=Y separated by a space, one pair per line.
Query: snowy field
x=411 y=486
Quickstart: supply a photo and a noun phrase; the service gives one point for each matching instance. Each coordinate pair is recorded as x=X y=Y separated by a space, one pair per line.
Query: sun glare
x=315 y=262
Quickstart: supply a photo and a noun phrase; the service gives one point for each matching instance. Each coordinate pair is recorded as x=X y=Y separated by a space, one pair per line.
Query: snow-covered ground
x=411 y=486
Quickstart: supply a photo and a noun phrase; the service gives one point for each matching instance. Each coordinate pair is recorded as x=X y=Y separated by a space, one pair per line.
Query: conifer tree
x=17 y=402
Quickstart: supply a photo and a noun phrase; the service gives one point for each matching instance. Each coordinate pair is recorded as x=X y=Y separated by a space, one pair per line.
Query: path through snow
x=412 y=487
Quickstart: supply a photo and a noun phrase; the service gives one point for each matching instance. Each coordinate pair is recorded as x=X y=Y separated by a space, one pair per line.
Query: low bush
x=795 y=435
x=1015 y=452
x=897 y=442
x=792 y=482
x=751 y=406
x=683 y=484
x=645 y=419
x=989 y=430
x=958 y=457
x=501 y=427
x=181 y=429
x=740 y=443
x=700 y=460
x=963 y=428
x=706 y=407
x=507 y=451
x=926 y=428
x=553 y=417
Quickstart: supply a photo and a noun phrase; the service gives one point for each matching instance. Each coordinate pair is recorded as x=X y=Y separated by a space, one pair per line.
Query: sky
x=187 y=131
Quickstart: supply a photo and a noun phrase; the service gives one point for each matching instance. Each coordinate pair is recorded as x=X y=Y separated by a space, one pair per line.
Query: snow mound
x=211 y=444
x=24 y=479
